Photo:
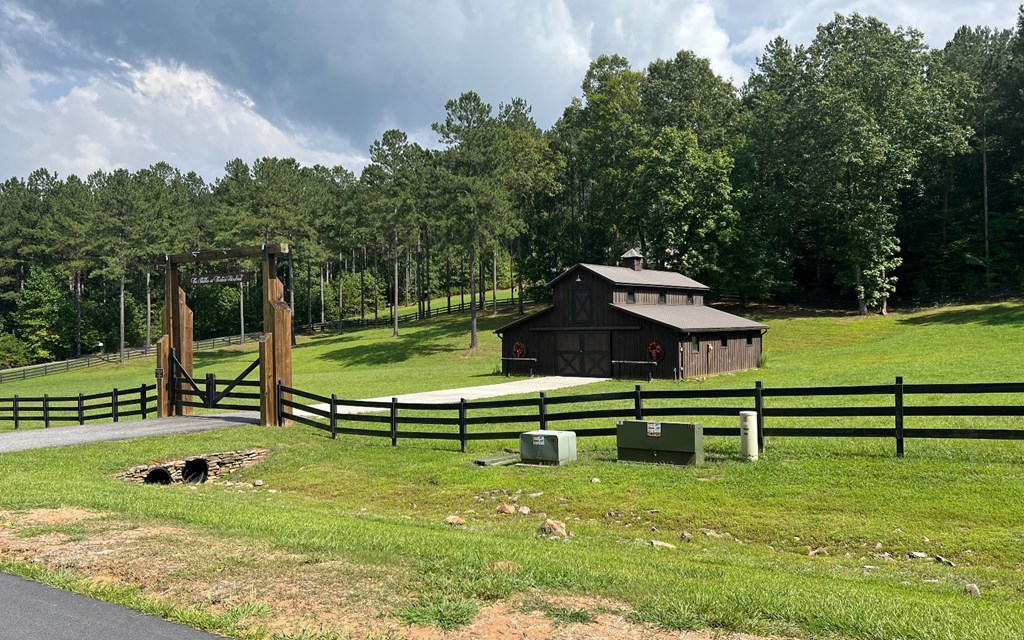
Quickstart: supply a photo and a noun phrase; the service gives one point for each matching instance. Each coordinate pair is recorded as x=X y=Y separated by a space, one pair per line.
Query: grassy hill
x=345 y=538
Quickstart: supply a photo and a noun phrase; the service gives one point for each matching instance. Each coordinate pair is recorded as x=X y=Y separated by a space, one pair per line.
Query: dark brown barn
x=628 y=321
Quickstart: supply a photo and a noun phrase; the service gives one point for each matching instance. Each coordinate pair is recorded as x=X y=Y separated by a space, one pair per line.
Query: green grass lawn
x=372 y=514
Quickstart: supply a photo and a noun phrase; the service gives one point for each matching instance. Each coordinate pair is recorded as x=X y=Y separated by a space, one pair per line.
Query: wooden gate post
x=176 y=322
x=164 y=378
x=268 y=386
x=277 y=321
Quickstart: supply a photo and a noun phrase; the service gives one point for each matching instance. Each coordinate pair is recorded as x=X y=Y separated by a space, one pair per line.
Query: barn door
x=582 y=306
x=585 y=353
x=597 y=354
x=569 y=354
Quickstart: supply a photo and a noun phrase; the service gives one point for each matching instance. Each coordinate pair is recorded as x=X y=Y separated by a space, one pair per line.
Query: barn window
x=689 y=298
x=661 y=297
x=631 y=296
x=725 y=342
x=694 y=344
x=750 y=341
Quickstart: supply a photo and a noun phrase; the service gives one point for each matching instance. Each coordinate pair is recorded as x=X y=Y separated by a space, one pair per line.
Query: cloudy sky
x=100 y=84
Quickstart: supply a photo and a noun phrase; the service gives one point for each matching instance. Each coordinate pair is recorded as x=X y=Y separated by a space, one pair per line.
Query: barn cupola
x=632 y=259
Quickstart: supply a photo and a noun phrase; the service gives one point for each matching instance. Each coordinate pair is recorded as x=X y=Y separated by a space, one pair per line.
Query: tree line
x=860 y=166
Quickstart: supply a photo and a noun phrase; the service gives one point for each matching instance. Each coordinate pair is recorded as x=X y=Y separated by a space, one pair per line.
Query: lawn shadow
x=419 y=339
x=997 y=315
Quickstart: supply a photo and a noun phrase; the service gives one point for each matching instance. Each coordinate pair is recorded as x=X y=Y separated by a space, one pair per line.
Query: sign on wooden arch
x=275 y=346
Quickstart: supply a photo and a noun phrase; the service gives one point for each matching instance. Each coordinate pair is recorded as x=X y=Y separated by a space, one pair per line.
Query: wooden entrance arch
x=174 y=349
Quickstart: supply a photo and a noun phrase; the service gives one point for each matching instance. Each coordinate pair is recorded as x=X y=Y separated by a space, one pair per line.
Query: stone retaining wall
x=220 y=464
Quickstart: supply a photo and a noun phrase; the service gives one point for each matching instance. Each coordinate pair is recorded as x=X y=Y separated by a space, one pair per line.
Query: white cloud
x=147 y=114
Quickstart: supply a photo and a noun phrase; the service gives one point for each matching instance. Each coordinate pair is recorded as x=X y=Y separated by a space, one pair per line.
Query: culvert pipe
x=157 y=475
x=196 y=471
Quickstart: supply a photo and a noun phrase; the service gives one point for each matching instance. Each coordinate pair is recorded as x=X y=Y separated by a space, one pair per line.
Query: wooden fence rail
x=49 y=410
x=889 y=401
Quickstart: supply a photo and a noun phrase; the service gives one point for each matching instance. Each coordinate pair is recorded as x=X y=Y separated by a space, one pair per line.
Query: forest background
x=862 y=167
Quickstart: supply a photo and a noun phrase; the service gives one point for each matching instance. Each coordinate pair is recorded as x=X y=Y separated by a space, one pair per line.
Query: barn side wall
x=712 y=358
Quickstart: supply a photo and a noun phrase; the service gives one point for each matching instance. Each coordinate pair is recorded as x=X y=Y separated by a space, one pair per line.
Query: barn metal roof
x=691 y=317
x=643 y=278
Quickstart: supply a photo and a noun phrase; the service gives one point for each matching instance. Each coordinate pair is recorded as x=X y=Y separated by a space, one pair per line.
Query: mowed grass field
x=812 y=541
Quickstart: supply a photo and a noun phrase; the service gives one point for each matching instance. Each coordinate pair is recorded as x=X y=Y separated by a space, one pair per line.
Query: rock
x=878 y=545
x=925 y=539
x=711 y=533
x=972 y=590
x=658 y=544
x=930 y=581
x=271 y=490
x=595 y=480
x=870 y=566
x=945 y=561
x=917 y=555
x=654 y=529
x=817 y=551
x=536 y=494
x=897 y=530
x=524 y=510
x=506 y=508
x=686 y=536
x=454 y=521
x=614 y=514
x=257 y=483
x=554 y=528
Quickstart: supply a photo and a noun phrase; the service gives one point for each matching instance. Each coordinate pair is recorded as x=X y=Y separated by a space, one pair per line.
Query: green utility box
x=548 y=447
x=661 y=442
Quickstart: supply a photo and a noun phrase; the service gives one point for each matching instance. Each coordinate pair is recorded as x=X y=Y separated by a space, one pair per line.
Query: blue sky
x=100 y=84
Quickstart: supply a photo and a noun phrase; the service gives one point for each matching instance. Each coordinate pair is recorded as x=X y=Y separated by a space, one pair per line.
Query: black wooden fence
x=110 y=406
x=540 y=412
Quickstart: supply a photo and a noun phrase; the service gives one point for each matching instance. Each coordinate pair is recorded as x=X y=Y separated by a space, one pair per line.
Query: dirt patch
x=63 y=515
x=298 y=594
x=511 y=621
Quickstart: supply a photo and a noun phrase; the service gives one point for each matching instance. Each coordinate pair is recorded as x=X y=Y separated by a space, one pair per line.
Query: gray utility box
x=664 y=442
x=547 y=447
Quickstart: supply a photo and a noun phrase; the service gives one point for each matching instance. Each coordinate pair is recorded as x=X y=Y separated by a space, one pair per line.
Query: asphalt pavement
x=86 y=434
x=33 y=611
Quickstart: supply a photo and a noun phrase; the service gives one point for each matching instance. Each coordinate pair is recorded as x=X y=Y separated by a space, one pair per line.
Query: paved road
x=33 y=611
x=85 y=434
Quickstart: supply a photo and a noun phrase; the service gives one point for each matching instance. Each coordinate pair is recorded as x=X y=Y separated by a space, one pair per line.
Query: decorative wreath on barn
x=655 y=351
x=518 y=350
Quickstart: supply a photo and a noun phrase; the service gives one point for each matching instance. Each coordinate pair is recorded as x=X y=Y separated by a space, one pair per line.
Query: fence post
x=172 y=371
x=16 y=420
x=81 y=409
x=759 y=408
x=113 y=404
x=462 y=425
x=46 y=411
x=280 y=403
x=638 y=403
x=394 y=422
x=899 y=416
x=334 y=416
x=142 y=400
x=211 y=390
x=543 y=411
